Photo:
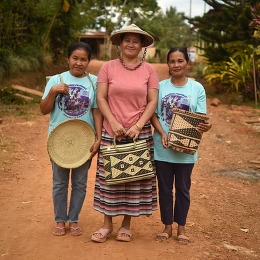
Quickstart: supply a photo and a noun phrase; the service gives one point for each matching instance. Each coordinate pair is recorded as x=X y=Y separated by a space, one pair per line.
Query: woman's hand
x=61 y=88
x=134 y=132
x=118 y=129
x=204 y=127
x=164 y=140
x=47 y=103
x=94 y=149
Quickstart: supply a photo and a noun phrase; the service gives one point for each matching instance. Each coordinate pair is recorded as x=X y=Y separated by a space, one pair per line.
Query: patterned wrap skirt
x=133 y=198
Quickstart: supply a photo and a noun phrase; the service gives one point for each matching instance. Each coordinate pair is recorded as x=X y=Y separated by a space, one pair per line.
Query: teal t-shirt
x=78 y=104
x=190 y=97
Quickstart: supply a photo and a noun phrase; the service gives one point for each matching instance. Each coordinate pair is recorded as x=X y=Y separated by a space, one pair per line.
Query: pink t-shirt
x=127 y=91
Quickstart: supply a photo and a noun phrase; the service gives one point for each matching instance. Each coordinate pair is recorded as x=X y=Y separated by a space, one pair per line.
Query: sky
x=193 y=7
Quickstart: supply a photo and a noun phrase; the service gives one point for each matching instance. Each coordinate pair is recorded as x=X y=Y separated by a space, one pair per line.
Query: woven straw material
x=183 y=135
x=115 y=37
x=127 y=163
x=69 y=143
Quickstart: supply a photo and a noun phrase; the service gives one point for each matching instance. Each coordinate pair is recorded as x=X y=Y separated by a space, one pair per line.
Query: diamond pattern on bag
x=130 y=164
x=127 y=166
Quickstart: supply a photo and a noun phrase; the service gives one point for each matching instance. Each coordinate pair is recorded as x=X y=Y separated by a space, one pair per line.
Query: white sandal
x=104 y=232
x=124 y=235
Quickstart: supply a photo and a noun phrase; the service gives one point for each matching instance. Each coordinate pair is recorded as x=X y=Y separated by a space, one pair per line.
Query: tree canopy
x=230 y=35
x=227 y=21
x=170 y=30
x=52 y=24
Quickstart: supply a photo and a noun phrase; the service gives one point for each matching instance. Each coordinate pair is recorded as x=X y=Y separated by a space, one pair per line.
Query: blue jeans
x=168 y=174
x=60 y=191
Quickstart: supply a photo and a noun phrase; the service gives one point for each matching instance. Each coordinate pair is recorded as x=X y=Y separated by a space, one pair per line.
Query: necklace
x=137 y=66
x=131 y=69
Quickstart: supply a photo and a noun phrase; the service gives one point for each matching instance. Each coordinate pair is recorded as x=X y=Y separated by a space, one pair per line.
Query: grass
x=27 y=111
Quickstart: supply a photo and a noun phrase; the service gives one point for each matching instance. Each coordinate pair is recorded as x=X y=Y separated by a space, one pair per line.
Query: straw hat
x=115 y=37
x=69 y=143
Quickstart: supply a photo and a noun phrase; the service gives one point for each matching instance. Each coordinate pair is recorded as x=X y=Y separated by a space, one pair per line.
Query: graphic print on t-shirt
x=76 y=103
x=170 y=101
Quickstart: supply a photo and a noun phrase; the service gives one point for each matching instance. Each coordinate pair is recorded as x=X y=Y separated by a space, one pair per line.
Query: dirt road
x=223 y=221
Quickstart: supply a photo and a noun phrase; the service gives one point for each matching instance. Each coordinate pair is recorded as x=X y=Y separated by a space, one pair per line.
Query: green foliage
x=34 y=56
x=232 y=75
x=4 y=55
x=226 y=22
x=229 y=45
x=7 y=97
x=170 y=29
x=12 y=64
x=112 y=15
x=255 y=23
x=39 y=25
x=21 y=25
x=64 y=26
x=52 y=25
x=20 y=36
x=18 y=64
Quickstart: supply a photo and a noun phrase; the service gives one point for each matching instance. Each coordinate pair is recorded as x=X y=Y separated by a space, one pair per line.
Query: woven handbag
x=127 y=162
x=183 y=135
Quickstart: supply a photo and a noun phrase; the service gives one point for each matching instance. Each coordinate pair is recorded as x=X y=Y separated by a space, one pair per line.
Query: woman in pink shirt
x=127 y=97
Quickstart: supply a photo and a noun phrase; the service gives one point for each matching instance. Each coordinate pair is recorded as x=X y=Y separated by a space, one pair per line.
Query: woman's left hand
x=204 y=127
x=94 y=149
x=133 y=132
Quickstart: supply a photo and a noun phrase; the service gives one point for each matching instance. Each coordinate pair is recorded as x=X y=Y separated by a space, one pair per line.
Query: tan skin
x=78 y=63
x=130 y=46
x=178 y=67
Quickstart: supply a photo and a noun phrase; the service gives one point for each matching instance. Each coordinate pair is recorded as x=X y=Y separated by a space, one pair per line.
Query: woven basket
x=69 y=143
x=127 y=162
x=183 y=135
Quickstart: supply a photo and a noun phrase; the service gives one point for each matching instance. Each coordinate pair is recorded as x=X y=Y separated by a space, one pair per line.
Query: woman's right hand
x=164 y=140
x=61 y=88
x=48 y=102
x=117 y=128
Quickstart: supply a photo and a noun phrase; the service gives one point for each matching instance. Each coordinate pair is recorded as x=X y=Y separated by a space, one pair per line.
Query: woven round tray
x=69 y=143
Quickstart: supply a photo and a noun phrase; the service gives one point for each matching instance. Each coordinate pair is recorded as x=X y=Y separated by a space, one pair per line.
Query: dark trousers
x=180 y=175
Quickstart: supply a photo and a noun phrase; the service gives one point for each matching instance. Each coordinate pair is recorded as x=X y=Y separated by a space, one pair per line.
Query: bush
x=235 y=75
x=24 y=60
x=7 y=97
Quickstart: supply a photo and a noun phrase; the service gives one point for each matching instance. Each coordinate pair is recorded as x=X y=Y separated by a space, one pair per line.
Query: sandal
x=124 y=235
x=59 y=231
x=183 y=239
x=76 y=231
x=104 y=234
x=162 y=236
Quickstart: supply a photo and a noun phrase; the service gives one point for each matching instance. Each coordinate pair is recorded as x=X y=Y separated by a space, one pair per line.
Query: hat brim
x=69 y=143
x=115 y=37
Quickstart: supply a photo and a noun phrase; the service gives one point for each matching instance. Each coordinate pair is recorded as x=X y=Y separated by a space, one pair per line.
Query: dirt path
x=223 y=221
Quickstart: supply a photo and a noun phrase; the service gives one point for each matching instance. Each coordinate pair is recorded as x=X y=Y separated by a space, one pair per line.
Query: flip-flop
x=104 y=232
x=162 y=237
x=124 y=235
x=59 y=231
x=76 y=231
x=183 y=239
